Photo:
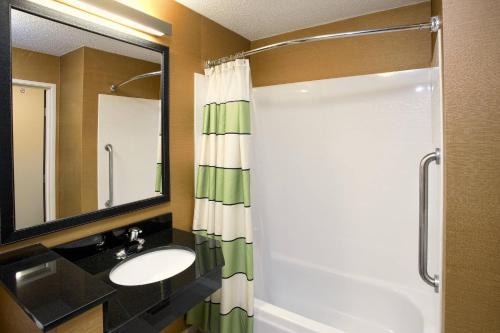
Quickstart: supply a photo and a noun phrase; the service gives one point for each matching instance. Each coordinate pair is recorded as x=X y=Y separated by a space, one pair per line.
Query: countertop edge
x=72 y=313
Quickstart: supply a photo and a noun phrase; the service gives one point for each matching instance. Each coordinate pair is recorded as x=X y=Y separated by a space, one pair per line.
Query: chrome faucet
x=133 y=237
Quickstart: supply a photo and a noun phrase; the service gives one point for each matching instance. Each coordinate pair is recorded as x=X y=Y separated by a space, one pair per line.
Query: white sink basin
x=153 y=266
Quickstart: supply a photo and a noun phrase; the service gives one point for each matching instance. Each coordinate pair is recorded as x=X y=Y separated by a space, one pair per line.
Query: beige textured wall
x=472 y=164
x=347 y=57
x=70 y=136
x=34 y=66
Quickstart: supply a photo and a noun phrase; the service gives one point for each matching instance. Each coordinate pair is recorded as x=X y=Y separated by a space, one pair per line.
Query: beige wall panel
x=182 y=138
x=70 y=135
x=34 y=66
x=472 y=165
x=347 y=57
x=218 y=42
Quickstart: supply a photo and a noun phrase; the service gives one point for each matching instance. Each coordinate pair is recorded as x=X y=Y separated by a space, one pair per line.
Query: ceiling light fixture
x=112 y=14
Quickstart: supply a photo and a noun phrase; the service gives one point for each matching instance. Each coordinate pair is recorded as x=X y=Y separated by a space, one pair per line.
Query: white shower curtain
x=222 y=207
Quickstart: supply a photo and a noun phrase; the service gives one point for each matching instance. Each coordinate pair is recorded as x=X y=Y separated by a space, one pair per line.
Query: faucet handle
x=133 y=233
x=122 y=254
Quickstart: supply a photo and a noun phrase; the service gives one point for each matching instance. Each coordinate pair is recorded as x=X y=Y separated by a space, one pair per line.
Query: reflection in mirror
x=78 y=146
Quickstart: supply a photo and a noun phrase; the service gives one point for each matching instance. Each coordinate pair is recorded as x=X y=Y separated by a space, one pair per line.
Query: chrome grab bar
x=424 y=219
x=109 y=149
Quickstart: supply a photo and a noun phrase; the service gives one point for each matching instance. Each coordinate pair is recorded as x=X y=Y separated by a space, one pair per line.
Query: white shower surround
x=335 y=198
x=120 y=119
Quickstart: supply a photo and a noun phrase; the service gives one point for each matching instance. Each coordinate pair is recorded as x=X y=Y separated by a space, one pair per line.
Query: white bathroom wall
x=131 y=125
x=335 y=179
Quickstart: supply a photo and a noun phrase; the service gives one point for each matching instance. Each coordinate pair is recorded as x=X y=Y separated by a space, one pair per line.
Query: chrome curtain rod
x=434 y=25
x=114 y=87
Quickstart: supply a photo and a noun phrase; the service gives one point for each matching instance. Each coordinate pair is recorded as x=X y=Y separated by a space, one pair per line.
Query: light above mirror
x=112 y=14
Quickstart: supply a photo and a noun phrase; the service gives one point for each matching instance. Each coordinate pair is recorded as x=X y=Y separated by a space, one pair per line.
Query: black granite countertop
x=54 y=285
x=48 y=287
x=151 y=307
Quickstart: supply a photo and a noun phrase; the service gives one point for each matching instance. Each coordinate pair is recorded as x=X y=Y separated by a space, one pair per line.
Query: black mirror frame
x=8 y=233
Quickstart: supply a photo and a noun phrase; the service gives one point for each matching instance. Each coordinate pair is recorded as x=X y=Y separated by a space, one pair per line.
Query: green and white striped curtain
x=222 y=207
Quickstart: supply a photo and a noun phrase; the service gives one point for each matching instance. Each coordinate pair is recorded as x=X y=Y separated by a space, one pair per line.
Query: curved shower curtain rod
x=114 y=87
x=434 y=25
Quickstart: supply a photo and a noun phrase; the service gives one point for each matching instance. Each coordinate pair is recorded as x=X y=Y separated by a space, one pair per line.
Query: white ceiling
x=256 y=19
x=37 y=34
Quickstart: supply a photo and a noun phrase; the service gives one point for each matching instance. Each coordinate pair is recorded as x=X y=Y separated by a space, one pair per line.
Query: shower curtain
x=222 y=203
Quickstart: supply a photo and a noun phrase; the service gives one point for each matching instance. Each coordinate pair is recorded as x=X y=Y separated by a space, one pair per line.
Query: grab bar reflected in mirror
x=109 y=149
x=424 y=219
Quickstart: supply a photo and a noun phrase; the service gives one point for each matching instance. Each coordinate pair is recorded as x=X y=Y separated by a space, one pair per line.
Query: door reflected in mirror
x=78 y=146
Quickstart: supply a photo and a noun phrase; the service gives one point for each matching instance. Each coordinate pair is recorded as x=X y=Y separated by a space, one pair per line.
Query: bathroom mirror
x=84 y=126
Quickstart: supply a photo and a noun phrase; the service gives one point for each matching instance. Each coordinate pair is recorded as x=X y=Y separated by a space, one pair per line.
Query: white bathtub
x=272 y=319
x=349 y=305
